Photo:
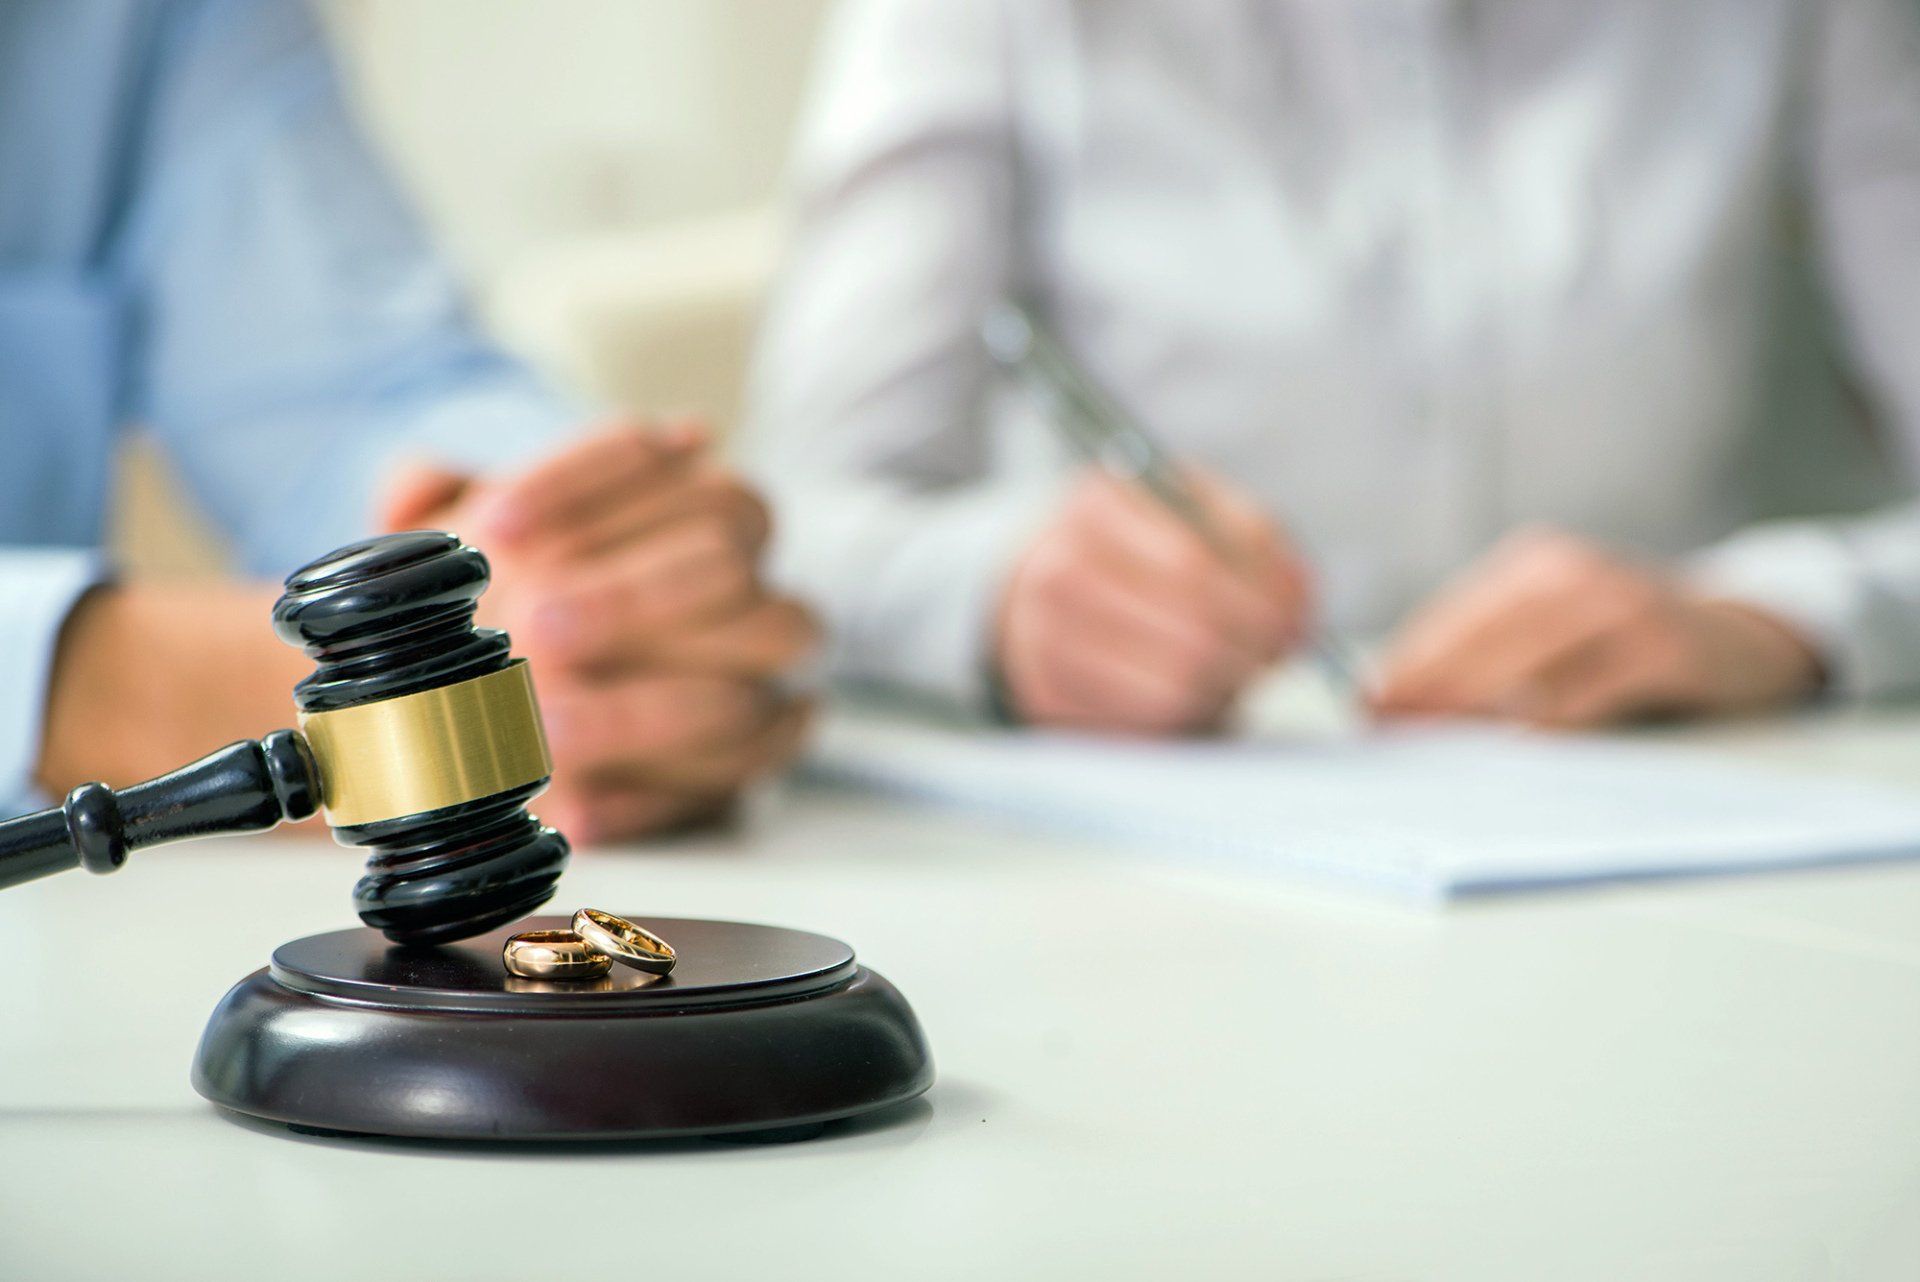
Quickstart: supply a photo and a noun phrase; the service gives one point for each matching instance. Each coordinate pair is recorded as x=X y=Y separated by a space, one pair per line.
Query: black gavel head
x=425 y=734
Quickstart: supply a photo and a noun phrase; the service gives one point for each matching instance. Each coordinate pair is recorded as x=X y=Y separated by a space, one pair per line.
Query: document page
x=1428 y=812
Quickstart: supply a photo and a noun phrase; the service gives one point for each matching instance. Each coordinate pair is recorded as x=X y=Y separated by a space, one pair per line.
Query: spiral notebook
x=1429 y=813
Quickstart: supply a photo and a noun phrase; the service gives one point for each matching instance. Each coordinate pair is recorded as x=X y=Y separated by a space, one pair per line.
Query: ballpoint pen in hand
x=1095 y=425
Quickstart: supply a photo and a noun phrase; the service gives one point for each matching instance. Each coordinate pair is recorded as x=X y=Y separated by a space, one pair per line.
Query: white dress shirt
x=1414 y=272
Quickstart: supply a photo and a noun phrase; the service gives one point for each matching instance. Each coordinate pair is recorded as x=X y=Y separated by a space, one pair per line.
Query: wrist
x=76 y=691
x=1761 y=659
x=146 y=677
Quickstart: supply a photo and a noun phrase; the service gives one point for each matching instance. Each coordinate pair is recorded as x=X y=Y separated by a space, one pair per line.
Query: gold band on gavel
x=432 y=748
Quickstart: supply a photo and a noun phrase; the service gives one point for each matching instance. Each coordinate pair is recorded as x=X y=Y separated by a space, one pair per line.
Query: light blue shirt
x=194 y=238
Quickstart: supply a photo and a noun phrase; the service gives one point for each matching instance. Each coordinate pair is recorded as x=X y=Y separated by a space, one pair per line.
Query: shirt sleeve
x=869 y=397
x=1854 y=585
x=294 y=333
x=38 y=587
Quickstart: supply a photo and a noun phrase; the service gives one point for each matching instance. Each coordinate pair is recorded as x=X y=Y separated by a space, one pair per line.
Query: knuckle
x=1641 y=599
x=1186 y=669
x=1546 y=549
x=710 y=534
x=1051 y=576
x=563 y=623
x=752 y=507
x=1667 y=652
x=736 y=705
x=1200 y=597
x=727 y=567
x=1202 y=670
x=1625 y=598
x=635 y=439
x=572 y=726
x=1192 y=560
x=671 y=712
x=1193 y=708
x=1092 y=492
x=746 y=514
x=798 y=628
x=737 y=578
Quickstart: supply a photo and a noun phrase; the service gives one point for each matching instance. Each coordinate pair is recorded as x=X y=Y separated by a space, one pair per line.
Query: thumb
x=415 y=492
x=1266 y=556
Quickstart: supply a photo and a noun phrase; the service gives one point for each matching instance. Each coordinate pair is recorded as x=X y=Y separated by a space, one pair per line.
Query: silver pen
x=1093 y=423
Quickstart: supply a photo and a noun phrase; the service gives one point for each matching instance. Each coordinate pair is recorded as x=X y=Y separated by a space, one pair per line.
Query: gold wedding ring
x=626 y=943
x=554 y=954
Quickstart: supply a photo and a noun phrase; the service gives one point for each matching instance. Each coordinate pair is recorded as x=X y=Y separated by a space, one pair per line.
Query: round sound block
x=757 y=1029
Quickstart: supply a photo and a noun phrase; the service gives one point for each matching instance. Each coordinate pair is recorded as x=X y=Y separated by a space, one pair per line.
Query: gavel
x=419 y=736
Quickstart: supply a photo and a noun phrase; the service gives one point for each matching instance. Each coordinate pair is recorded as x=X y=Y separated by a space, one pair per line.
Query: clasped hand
x=626 y=570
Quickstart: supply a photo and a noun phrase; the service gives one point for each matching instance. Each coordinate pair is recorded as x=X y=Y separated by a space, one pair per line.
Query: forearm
x=1853 y=585
x=147 y=677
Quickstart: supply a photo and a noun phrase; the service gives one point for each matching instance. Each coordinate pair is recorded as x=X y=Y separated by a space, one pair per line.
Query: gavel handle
x=248 y=786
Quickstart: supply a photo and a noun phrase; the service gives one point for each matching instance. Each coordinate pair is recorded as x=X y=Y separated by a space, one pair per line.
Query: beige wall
x=524 y=122
x=546 y=140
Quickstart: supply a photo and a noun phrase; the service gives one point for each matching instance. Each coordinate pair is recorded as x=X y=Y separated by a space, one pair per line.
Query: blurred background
x=605 y=172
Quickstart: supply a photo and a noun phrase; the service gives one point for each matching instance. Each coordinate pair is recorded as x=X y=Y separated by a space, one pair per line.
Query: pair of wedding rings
x=589 y=950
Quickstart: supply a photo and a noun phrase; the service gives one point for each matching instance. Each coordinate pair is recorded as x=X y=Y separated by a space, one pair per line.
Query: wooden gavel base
x=758 y=1029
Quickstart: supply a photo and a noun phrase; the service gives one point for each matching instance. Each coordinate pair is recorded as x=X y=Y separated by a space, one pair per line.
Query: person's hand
x=625 y=568
x=1121 y=618
x=1552 y=631
x=108 y=718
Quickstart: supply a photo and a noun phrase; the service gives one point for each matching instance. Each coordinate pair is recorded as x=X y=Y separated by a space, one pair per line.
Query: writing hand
x=1121 y=618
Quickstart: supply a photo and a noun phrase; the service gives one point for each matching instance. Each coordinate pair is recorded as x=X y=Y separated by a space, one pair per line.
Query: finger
x=545 y=497
x=1616 y=678
x=1105 y=612
x=1268 y=556
x=703 y=490
x=607 y=728
x=1073 y=599
x=604 y=613
x=598 y=814
x=765 y=638
x=416 y=492
x=1519 y=648
x=723 y=767
x=1107 y=693
x=1164 y=558
x=1529 y=600
x=1474 y=597
x=1057 y=680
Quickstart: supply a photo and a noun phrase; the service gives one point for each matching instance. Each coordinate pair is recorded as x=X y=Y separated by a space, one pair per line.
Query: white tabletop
x=1144 y=1071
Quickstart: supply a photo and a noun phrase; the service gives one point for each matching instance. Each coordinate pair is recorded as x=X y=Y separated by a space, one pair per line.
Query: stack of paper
x=1427 y=812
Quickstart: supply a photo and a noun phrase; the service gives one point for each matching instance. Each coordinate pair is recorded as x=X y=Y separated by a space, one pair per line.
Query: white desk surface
x=1143 y=1072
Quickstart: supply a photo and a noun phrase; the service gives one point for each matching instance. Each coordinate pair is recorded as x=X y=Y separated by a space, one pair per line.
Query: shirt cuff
x=944 y=595
x=38 y=588
x=910 y=583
